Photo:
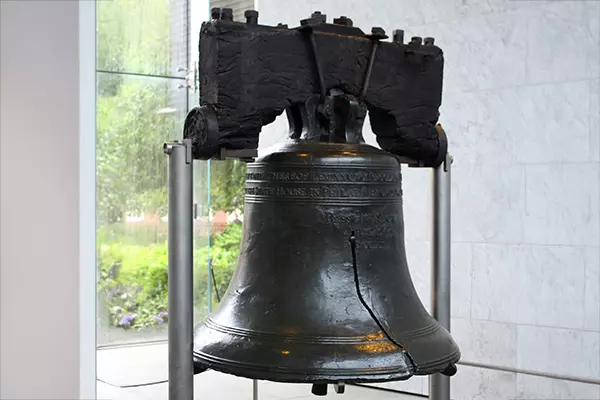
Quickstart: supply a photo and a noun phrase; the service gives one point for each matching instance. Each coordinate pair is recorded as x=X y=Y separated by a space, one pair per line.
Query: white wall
x=47 y=322
x=521 y=107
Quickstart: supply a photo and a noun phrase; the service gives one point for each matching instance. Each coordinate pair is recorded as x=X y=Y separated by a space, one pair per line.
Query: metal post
x=209 y=231
x=439 y=385
x=254 y=389
x=181 y=368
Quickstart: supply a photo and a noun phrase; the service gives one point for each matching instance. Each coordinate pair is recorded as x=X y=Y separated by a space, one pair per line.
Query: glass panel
x=135 y=116
x=142 y=36
x=222 y=215
x=201 y=238
x=218 y=228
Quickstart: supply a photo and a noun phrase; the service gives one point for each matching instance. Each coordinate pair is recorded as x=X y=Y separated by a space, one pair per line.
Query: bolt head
x=317 y=16
x=377 y=33
x=398 y=35
x=343 y=20
x=227 y=14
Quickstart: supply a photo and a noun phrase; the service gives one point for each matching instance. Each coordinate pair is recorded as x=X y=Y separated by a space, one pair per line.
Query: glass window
x=142 y=100
x=145 y=49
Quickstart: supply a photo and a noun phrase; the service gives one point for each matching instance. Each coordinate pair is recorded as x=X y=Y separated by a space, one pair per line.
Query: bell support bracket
x=245 y=83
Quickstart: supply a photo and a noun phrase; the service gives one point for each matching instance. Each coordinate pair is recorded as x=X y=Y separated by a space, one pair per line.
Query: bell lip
x=438 y=365
x=301 y=376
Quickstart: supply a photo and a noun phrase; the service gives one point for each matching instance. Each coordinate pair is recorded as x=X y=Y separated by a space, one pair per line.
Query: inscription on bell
x=371 y=229
x=331 y=191
x=359 y=175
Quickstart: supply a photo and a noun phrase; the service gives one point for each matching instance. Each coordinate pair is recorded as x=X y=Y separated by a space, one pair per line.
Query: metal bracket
x=245 y=155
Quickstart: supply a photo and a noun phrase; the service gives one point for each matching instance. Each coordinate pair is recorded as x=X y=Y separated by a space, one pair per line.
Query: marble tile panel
x=487 y=52
x=525 y=125
x=462 y=270
x=417 y=192
x=592 y=289
x=482 y=384
x=488 y=203
x=562 y=204
x=486 y=342
x=559 y=351
x=418 y=255
x=595 y=120
x=537 y=285
x=538 y=388
x=563 y=42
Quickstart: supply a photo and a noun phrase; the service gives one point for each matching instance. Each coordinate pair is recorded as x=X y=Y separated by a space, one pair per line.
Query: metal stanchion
x=439 y=385
x=181 y=367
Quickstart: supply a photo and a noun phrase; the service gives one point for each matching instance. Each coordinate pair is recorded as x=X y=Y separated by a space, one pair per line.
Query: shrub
x=134 y=279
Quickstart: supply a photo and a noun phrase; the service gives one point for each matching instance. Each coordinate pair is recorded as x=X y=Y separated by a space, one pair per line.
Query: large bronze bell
x=322 y=291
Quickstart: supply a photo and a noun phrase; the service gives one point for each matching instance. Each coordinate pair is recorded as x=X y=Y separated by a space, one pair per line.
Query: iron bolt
x=343 y=20
x=251 y=17
x=398 y=35
x=377 y=33
x=317 y=16
x=227 y=14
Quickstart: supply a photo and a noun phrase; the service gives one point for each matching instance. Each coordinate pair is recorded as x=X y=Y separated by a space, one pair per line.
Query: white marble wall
x=521 y=106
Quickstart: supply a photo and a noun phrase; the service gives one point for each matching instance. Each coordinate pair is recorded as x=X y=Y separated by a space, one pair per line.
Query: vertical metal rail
x=180 y=239
x=208 y=259
x=439 y=385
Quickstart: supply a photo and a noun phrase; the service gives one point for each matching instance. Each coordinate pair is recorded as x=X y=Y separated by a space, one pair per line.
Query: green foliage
x=135 y=281
x=134 y=278
x=131 y=167
x=223 y=252
x=132 y=234
x=135 y=116
x=227 y=185
x=133 y=36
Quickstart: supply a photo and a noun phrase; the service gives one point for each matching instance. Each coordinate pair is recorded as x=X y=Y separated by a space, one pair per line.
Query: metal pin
x=398 y=35
x=227 y=14
x=251 y=17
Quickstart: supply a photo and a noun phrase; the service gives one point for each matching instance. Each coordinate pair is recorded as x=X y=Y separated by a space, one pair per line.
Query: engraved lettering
x=352 y=176
x=259 y=191
x=314 y=192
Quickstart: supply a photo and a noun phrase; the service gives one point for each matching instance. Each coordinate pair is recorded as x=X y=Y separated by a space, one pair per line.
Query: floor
x=135 y=365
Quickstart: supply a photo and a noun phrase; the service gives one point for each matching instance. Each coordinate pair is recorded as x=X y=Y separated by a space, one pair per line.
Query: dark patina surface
x=293 y=312
x=251 y=73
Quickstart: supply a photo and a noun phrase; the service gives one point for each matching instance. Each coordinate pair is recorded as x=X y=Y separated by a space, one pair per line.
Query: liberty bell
x=322 y=292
